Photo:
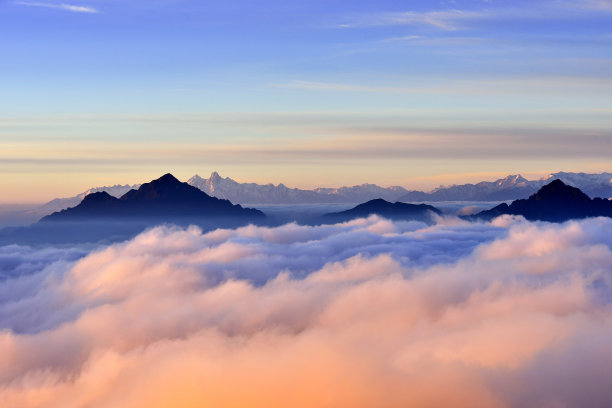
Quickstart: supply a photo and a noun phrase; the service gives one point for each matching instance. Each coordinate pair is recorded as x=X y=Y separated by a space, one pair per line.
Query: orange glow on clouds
x=171 y=319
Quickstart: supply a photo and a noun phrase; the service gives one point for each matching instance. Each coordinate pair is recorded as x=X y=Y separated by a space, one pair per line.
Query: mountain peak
x=557 y=190
x=517 y=178
x=166 y=187
x=557 y=183
x=384 y=208
x=98 y=197
x=194 y=178
x=556 y=202
x=214 y=176
x=511 y=180
x=167 y=178
x=165 y=198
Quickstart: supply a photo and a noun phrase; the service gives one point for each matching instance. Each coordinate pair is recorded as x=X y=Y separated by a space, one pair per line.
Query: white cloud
x=455 y=19
x=509 y=85
x=446 y=20
x=60 y=6
x=367 y=313
x=601 y=5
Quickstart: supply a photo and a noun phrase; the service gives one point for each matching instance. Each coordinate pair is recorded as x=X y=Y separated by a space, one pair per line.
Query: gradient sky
x=310 y=93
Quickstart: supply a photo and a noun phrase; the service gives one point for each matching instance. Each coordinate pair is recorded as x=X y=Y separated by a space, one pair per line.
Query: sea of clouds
x=370 y=313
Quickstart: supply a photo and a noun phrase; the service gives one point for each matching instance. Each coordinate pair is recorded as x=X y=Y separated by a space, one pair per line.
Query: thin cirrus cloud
x=446 y=20
x=519 y=86
x=457 y=19
x=59 y=6
x=333 y=143
x=361 y=314
x=605 y=5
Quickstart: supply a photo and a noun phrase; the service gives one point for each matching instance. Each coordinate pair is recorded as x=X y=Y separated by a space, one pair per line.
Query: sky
x=310 y=93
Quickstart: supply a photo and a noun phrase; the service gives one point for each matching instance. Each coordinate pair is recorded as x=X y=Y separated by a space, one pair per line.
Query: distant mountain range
x=554 y=202
x=164 y=199
x=514 y=187
x=251 y=193
x=102 y=217
x=509 y=188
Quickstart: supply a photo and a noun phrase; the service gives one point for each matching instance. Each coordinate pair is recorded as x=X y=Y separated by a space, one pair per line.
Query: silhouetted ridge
x=164 y=199
x=166 y=188
x=395 y=211
x=557 y=191
x=101 y=197
x=556 y=202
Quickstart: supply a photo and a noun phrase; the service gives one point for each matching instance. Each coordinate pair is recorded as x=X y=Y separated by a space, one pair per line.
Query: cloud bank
x=363 y=314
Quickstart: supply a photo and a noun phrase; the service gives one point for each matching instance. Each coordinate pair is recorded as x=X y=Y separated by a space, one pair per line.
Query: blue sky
x=307 y=93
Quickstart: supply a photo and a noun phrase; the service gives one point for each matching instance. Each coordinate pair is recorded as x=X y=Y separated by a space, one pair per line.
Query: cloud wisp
x=362 y=314
x=448 y=20
x=59 y=6
x=454 y=19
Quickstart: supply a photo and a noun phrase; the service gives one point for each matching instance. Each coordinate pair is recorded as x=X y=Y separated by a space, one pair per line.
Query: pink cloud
x=169 y=319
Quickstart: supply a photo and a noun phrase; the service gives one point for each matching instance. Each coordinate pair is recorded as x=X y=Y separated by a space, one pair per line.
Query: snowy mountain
x=252 y=193
x=514 y=187
x=593 y=185
x=59 y=204
x=509 y=188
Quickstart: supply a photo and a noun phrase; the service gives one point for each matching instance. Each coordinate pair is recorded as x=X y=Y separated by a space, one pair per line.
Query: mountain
x=593 y=185
x=509 y=188
x=252 y=193
x=514 y=187
x=28 y=216
x=229 y=189
x=59 y=204
x=555 y=202
x=163 y=199
x=394 y=211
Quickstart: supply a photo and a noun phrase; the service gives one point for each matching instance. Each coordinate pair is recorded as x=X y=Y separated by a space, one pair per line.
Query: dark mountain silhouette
x=394 y=211
x=165 y=198
x=555 y=202
x=101 y=217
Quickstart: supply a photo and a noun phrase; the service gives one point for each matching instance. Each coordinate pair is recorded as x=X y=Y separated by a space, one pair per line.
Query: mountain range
x=164 y=199
x=102 y=217
x=514 y=187
x=509 y=188
x=253 y=193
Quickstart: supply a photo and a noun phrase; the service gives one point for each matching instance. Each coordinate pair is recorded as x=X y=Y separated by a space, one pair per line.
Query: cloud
x=600 y=5
x=361 y=314
x=448 y=20
x=455 y=19
x=508 y=86
x=59 y=6
x=437 y=41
